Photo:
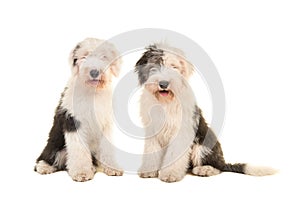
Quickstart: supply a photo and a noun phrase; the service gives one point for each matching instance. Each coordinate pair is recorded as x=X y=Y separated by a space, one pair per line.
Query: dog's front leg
x=151 y=159
x=176 y=169
x=177 y=157
x=79 y=159
x=174 y=166
x=107 y=158
x=106 y=154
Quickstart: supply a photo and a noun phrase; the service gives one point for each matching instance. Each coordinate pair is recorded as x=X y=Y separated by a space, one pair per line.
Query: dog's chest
x=172 y=121
x=92 y=110
x=97 y=114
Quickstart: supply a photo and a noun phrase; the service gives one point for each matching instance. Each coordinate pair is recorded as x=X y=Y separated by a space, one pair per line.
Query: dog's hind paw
x=44 y=168
x=205 y=170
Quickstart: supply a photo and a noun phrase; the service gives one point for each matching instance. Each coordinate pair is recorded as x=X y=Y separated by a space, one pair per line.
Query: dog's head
x=95 y=62
x=162 y=55
x=165 y=84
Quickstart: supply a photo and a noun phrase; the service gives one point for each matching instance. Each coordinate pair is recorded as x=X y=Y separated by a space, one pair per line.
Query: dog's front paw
x=44 y=168
x=82 y=175
x=153 y=174
x=112 y=172
x=170 y=177
x=205 y=170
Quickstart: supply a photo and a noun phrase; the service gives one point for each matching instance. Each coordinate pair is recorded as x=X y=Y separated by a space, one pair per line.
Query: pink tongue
x=94 y=82
x=164 y=93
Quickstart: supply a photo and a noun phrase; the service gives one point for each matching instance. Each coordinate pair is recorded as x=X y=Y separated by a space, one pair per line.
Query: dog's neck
x=80 y=98
x=87 y=91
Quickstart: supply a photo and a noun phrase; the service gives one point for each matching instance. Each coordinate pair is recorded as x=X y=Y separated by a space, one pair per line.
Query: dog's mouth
x=164 y=93
x=95 y=82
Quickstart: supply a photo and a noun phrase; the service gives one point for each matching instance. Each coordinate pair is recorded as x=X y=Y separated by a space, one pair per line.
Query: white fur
x=259 y=170
x=205 y=170
x=198 y=153
x=44 y=168
x=168 y=126
x=79 y=161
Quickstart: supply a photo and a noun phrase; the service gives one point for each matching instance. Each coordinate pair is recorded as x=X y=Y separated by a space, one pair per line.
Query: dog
x=79 y=140
x=178 y=139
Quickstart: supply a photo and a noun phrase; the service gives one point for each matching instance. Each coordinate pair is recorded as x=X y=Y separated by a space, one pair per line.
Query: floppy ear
x=186 y=68
x=73 y=60
x=115 y=67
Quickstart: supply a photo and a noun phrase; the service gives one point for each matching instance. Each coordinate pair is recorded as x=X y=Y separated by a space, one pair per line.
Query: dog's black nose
x=94 y=73
x=163 y=84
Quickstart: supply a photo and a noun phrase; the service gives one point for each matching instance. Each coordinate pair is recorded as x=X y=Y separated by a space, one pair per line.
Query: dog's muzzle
x=96 y=78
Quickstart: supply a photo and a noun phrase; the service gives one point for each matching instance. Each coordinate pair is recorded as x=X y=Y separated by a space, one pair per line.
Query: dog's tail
x=249 y=169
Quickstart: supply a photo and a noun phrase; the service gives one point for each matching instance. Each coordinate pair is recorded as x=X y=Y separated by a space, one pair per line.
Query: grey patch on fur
x=152 y=58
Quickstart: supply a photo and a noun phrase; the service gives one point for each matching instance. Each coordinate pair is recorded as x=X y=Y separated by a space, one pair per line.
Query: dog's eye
x=82 y=59
x=153 y=70
x=174 y=66
x=75 y=61
x=104 y=57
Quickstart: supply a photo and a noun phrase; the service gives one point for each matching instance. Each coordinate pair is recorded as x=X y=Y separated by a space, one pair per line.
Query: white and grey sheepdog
x=178 y=138
x=79 y=140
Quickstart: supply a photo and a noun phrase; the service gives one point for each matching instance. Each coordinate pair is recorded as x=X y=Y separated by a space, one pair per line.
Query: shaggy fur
x=79 y=138
x=177 y=135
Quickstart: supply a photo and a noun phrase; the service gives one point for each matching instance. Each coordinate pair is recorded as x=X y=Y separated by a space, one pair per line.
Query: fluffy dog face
x=94 y=62
x=162 y=55
x=165 y=84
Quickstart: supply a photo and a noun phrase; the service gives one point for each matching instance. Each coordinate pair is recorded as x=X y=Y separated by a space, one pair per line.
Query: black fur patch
x=70 y=124
x=238 y=168
x=95 y=161
x=63 y=122
x=202 y=128
x=152 y=58
x=206 y=137
x=74 y=54
x=74 y=61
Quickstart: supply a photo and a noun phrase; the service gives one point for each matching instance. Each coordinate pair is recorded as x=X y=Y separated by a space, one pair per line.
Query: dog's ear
x=186 y=68
x=108 y=52
x=115 y=67
x=73 y=60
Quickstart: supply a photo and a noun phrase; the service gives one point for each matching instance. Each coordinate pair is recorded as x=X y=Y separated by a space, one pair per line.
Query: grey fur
x=152 y=58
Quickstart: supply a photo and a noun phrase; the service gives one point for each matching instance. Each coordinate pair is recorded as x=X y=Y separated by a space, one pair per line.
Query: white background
x=255 y=46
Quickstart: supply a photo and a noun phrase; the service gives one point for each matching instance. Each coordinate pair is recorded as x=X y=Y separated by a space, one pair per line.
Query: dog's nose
x=94 y=73
x=163 y=84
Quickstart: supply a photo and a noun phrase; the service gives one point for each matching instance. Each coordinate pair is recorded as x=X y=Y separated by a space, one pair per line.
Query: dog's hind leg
x=53 y=157
x=198 y=155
